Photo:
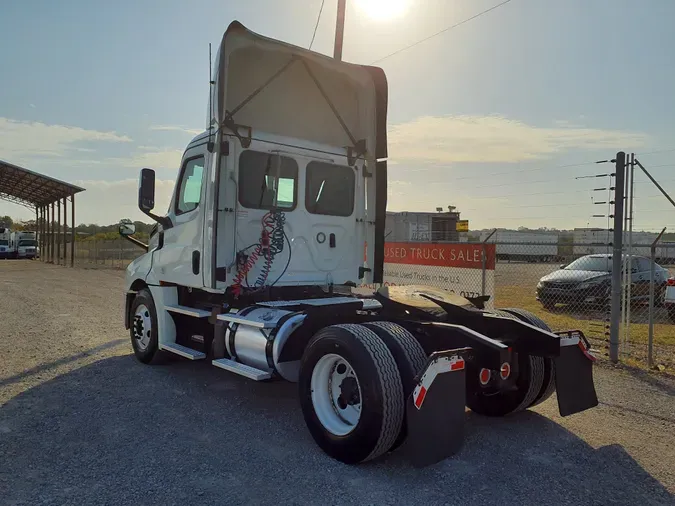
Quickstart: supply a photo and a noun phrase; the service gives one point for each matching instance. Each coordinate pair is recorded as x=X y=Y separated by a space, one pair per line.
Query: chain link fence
x=107 y=253
x=566 y=284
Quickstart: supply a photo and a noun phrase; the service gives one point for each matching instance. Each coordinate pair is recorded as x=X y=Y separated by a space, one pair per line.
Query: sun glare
x=383 y=10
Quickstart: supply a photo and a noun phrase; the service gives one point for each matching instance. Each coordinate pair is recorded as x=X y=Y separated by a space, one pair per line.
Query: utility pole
x=617 y=257
x=339 y=29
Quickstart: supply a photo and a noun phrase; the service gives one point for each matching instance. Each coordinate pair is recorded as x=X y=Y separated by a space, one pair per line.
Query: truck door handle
x=331 y=240
x=195 y=262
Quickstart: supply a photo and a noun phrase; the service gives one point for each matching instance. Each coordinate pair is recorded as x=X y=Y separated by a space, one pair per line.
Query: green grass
x=564 y=319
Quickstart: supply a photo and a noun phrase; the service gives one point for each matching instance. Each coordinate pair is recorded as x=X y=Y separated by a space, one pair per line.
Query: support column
x=72 y=230
x=58 y=229
x=38 y=224
x=45 y=241
x=65 y=237
x=52 y=238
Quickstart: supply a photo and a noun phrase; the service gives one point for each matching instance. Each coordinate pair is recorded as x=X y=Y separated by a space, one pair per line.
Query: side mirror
x=146 y=190
x=127 y=228
x=146 y=197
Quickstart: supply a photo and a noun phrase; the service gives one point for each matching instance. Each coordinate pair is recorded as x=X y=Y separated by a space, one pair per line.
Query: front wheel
x=143 y=328
x=351 y=393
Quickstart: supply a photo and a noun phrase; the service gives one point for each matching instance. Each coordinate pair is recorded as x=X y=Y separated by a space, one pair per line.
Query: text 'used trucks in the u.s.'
x=255 y=268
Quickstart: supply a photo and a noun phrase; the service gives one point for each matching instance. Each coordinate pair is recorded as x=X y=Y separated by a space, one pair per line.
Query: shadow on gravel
x=61 y=361
x=118 y=432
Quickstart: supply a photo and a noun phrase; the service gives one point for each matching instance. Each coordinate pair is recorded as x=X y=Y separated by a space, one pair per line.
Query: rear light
x=505 y=370
x=671 y=282
x=484 y=376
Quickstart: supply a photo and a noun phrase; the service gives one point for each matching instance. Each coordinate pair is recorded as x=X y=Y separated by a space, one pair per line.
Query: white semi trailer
x=277 y=216
x=5 y=236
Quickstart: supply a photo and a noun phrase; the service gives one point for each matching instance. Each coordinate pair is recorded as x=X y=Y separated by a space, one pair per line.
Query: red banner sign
x=467 y=255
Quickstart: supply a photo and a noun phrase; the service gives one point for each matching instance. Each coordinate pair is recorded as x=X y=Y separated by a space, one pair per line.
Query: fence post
x=617 y=257
x=484 y=262
x=652 y=272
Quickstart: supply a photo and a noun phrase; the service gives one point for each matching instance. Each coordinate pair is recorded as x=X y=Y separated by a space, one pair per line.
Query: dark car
x=587 y=282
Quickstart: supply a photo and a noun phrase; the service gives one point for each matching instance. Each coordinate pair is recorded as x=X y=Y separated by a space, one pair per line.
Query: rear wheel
x=548 y=386
x=530 y=385
x=409 y=356
x=351 y=393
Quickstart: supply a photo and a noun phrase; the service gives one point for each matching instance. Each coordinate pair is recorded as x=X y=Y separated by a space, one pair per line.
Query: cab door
x=179 y=257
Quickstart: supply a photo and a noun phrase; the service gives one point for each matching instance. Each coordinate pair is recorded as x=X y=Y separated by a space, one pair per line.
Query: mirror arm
x=137 y=242
x=165 y=221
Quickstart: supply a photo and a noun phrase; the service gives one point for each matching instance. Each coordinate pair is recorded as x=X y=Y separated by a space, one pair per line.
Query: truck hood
x=348 y=101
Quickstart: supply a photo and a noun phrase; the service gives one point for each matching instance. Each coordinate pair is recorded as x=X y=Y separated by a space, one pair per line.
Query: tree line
x=83 y=232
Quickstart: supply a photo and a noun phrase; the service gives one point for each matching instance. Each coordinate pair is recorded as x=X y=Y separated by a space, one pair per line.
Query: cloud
x=176 y=128
x=32 y=106
x=448 y=139
x=146 y=156
x=21 y=140
x=106 y=202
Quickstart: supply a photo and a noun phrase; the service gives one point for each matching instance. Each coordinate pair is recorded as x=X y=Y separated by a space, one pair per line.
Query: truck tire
x=549 y=364
x=409 y=356
x=143 y=328
x=351 y=393
x=529 y=385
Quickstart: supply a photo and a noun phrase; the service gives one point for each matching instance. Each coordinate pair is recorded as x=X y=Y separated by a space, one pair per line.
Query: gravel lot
x=82 y=422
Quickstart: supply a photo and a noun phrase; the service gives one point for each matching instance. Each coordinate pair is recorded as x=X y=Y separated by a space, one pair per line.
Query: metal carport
x=46 y=196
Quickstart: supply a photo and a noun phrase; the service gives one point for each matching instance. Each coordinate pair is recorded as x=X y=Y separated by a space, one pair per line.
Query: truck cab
x=276 y=193
x=24 y=244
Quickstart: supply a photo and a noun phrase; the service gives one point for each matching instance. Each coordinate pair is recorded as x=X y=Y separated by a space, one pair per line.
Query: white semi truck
x=277 y=217
x=5 y=236
x=23 y=244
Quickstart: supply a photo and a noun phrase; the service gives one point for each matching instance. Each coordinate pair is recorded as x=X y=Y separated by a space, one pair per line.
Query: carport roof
x=30 y=189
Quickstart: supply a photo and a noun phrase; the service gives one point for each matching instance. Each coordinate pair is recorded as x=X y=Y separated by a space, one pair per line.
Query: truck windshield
x=27 y=242
x=4 y=242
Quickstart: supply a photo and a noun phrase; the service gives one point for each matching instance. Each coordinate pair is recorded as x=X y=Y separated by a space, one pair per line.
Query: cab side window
x=190 y=185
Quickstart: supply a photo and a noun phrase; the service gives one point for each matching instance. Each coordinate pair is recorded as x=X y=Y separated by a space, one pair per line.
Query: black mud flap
x=574 y=375
x=435 y=410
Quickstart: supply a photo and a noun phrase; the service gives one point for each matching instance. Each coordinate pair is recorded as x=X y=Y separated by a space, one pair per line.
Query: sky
x=498 y=116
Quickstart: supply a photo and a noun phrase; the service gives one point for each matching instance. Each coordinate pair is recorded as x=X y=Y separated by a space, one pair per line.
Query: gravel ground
x=82 y=422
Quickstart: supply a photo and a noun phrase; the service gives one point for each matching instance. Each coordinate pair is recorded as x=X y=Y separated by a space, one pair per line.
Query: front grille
x=559 y=285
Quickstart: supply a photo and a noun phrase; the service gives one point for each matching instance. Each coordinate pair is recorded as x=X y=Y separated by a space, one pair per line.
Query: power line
x=317 y=23
x=441 y=32
x=656 y=152
x=520 y=171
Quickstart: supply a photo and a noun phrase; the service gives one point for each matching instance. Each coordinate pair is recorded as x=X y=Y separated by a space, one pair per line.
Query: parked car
x=587 y=282
x=669 y=298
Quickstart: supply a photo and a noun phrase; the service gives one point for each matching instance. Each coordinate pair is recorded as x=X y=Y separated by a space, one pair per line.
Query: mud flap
x=574 y=375
x=435 y=410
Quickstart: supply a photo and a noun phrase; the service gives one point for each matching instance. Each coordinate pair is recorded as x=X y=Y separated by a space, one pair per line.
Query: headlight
x=540 y=285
